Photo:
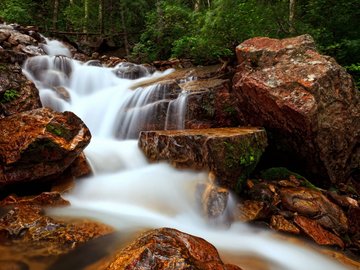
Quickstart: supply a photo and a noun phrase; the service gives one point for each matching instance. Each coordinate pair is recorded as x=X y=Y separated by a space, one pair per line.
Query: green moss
x=279 y=173
x=229 y=109
x=9 y=95
x=59 y=130
x=241 y=158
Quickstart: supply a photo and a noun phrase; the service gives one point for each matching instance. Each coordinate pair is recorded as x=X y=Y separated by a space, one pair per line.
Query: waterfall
x=127 y=192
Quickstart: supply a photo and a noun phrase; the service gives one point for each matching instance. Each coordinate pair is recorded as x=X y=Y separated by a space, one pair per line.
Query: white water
x=127 y=192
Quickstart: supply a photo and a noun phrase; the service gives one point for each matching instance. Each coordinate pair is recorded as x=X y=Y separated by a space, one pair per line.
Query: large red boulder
x=38 y=144
x=308 y=104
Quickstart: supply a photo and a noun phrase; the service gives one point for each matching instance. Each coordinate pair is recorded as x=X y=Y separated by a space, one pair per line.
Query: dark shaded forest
x=201 y=30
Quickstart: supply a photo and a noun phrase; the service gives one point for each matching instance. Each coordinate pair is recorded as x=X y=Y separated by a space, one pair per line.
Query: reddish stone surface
x=318 y=233
x=280 y=224
x=250 y=211
x=314 y=204
x=27 y=234
x=230 y=153
x=169 y=249
x=307 y=103
x=39 y=143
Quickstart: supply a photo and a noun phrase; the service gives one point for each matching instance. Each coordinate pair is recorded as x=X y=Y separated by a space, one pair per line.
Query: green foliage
x=167 y=23
x=160 y=29
x=16 y=11
x=59 y=130
x=354 y=70
x=9 y=95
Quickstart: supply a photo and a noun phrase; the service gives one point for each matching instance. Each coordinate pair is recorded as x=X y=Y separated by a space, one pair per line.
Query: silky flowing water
x=126 y=191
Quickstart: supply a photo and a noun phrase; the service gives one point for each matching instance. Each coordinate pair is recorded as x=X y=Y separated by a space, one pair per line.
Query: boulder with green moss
x=38 y=144
x=230 y=153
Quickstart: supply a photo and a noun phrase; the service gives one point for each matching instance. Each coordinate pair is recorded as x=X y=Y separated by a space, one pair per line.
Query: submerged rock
x=39 y=143
x=168 y=249
x=213 y=200
x=307 y=102
x=230 y=153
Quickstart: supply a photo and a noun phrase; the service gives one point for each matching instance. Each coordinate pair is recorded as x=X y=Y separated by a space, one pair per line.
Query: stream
x=126 y=191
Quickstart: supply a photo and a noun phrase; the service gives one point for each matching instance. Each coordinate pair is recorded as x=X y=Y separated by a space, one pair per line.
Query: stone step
x=231 y=154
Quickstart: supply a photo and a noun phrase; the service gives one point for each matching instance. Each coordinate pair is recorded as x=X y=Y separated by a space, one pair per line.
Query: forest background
x=201 y=30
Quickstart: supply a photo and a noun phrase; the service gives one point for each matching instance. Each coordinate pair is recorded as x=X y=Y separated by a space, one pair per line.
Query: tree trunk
x=55 y=15
x=197 y=5
x=124 y=28
x=292 y=5
x=86 y=16
x=101 y=17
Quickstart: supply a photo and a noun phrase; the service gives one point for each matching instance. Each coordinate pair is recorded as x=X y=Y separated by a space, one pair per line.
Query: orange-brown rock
x=314 y=204
x=230 y=153
x=17 y=94
x=249 y=210
x=27 y=234
x=169 y=249
x=307 y=103
x=281 y=224
x=38 y=144
x=317 y=232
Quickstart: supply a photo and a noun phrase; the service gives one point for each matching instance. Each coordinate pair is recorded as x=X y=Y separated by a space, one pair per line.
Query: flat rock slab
x=230 y=153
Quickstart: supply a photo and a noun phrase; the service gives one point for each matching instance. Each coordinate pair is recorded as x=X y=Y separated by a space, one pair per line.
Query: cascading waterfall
x=126 y=191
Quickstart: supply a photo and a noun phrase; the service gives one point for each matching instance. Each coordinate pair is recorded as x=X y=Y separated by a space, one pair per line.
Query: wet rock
x=230 y=153
x=44 y=199
x=80 y=167
x=13 y=265
x=168 y=249
x=18 y=38
x=342 y=200
x=354 y=221
x=249 y=210
x=39 y=143
x=314 y=204
x=213 y=200
x=4 y=35
x=131 y=71
x=172 y=63
x=318 y=233
x=263 y=192
x=210 y=104
x=27 y=234
x=17 y=93
x=62 y=92
x=306 y=101
x=280 y=224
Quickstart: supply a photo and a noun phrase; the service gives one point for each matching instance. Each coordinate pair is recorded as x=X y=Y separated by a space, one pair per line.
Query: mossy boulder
x=230 y=153
x=38 y=144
